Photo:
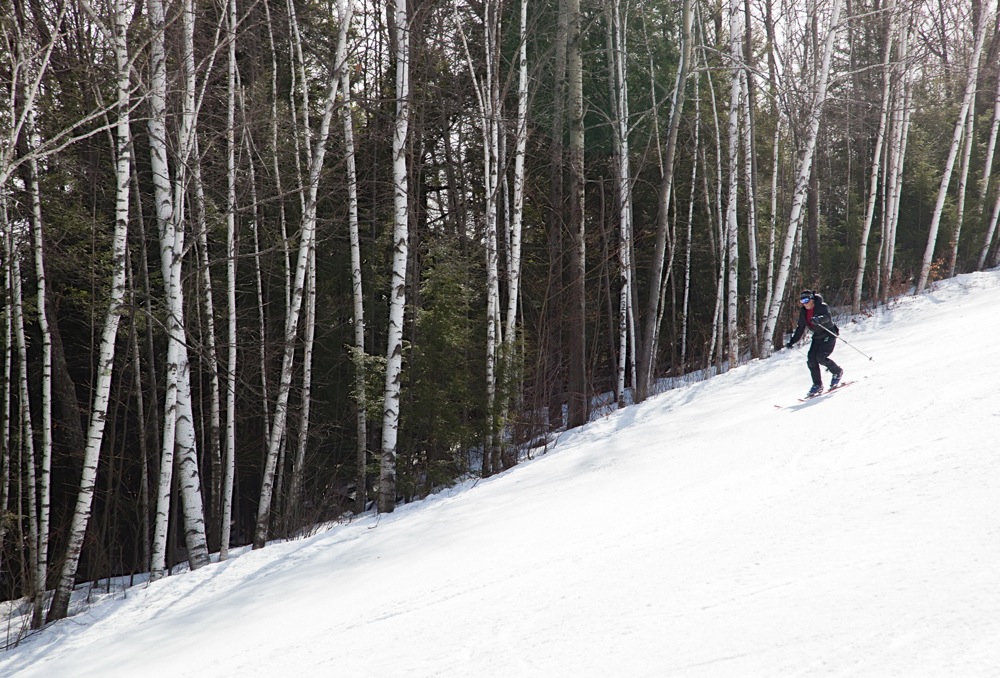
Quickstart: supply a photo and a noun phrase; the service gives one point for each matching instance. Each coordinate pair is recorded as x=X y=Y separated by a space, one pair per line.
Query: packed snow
x=705 y=532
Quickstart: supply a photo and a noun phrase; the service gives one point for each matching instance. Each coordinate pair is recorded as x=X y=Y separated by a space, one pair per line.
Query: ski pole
x=849 y=344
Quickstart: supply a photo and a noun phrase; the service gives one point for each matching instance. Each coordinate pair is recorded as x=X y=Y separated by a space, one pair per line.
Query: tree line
x=266 y=262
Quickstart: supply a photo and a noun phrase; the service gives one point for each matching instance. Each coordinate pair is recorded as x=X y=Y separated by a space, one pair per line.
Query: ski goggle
x=805 y=300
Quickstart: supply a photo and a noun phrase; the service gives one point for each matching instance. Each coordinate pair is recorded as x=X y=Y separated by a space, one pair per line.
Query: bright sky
x=703 y=533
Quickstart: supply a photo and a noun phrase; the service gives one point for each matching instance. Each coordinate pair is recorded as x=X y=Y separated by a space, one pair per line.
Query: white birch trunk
x=773 y=226
x=299 y=462
x=991 y=146
x=6 y=336
x=970 y=92
x=717 y=220
x=487 y=96
x=903 y=135
x=45 y=462
x=688 y=246
x=873 y=191
x=646 y=354
x=520 y=150
x=229 y=456
x=397 y=294
x=895 y=155
x=750 y=183
x=357 y=288
x=307 y=241
x=102 y=389
x=802 y=180
x=37 y=587
x=732 y=226
x=515 y=222
x=212 y=436
x=991 y=229
x=186 y=453
x=178 y=432
x=775 y=166
x=303 y=145
x=618 y=40
x=26 y=71
x=963 y=181
x=987 y=173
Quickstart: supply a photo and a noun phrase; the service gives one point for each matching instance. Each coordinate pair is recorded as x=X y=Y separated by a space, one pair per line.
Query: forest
x=268 y=263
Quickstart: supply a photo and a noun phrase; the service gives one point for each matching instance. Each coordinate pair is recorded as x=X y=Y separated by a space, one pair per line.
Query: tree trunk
x=59 y=607
x=650 y=333
x=178 y=433
x=802 y=180
x=617 y=54
x=873 y=191
x=578 y=405
x=963 y=180
x=400 y=236
x=956 y=140
x=732 y=226
x=307 y=241
x=232 y=248
x=45 y=462
x=987 y=174
x=554 y=372
x=357 y=289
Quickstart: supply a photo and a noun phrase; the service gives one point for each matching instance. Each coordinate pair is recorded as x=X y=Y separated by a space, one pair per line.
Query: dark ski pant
x=819 y=354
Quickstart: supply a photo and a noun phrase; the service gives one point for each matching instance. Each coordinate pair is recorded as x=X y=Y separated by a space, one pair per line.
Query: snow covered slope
x=702 y=533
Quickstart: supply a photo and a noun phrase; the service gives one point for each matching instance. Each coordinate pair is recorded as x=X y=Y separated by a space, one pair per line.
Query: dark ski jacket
x=821 y=319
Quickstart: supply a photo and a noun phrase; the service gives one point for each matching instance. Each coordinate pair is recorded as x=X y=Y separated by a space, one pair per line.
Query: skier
x=815 y=315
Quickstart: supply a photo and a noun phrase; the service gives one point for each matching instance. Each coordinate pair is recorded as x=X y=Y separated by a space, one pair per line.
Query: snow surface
x=703 y=533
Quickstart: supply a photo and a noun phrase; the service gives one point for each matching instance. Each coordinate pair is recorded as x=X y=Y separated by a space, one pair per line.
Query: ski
x=829 y=391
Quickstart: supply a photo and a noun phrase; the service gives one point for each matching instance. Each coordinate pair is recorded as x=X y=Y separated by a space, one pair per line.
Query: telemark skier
x=815 y=314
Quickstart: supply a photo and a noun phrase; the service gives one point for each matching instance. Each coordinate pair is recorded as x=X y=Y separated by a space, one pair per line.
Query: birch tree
x=487 y=93
x=650 y=331
x=732 y=226
x=45 y=465
x=873 y=192
x=229 y=455
x=400 y=235
x=357 y=292
x=963 y=180
x=6 y=335
x=617 y=57
x=517 y=205
x=987 y=174
x=897 y=157
x=178 y=445
x=750 y=182
x=956 y=140
x=688 y=244
x=28 y=63
x=59 y=606
x=307 y=242
x=815 y=112
x=27 y=425
x=772 y=79
x=214 y=426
